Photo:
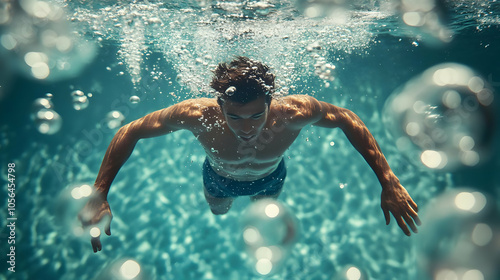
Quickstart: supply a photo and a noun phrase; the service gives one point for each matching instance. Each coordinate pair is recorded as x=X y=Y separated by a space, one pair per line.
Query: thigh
x=262 y=196
x=218 y=205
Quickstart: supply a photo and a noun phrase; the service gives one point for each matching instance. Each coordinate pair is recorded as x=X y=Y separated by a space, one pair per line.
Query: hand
x=395 y=199
x=92 y=213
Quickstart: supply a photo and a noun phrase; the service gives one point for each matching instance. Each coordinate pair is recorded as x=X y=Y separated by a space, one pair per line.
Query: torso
x=237 y=160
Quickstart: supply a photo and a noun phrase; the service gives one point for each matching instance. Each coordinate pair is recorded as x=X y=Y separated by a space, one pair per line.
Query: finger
x=402 y=225
x=417 y=220
x=412 y=213
x=410 y=222
x=107 y=228
x=387 y=216
x=413 y=204
x=96 y=244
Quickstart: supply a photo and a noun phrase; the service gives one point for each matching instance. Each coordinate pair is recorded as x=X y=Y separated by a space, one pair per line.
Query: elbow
x=127 y=133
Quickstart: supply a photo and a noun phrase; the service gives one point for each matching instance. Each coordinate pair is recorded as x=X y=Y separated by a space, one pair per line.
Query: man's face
x=246 y=121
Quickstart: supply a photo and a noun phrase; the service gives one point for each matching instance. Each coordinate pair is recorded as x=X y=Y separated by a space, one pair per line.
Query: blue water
x=161 y=219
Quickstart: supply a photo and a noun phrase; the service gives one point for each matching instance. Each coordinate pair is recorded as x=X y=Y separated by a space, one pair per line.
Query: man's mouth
x=247 y=138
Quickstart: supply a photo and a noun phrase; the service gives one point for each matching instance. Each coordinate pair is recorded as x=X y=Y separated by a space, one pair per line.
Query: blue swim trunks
x=219 y=186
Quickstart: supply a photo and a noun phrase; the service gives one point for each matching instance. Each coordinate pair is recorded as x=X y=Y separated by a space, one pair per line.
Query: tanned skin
x=246 y=142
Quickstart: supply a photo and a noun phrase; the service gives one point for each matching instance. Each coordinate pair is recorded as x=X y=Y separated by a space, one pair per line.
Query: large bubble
x=443 y=118
x=122 y=269
x=67 y=206
x=427 y=18
x=351 y=272
x=324 y=8
x=269 y=231
x=37 y=40
x=460 y=236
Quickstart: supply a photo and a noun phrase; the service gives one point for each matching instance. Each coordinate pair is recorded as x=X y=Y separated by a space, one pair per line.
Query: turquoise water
x=163 y=53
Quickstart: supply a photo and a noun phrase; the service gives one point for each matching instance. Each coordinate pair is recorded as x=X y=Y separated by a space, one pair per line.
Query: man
x=244 y=133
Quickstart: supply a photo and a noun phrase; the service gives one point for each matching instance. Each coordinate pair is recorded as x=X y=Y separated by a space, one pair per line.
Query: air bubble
x=48 y=121
x=114 y=119
x=269 y=231
x=443 y=117
x=230 y=90
x=134 y=99
x=457 y=239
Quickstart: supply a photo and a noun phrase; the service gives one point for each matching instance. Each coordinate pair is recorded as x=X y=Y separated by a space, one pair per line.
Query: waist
x=247 y=171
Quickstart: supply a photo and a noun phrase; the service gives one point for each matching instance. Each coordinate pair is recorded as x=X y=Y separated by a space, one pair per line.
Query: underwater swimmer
x=245 y=133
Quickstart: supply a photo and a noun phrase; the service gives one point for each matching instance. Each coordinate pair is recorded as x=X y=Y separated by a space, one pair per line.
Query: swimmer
x=245 y=132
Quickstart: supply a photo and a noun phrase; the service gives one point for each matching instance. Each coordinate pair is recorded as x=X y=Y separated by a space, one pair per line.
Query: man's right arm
x=158 y=123
x=184 y=115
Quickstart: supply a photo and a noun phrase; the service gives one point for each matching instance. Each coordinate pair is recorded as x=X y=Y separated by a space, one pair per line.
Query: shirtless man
x=244 y=133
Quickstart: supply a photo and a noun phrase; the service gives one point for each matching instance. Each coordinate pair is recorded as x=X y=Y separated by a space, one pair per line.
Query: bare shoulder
x=195 y=107
x=298 y=110
x=189 y=114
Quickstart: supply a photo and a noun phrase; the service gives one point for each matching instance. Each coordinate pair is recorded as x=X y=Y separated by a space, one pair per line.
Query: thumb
x=387 y=216
x=107 y=227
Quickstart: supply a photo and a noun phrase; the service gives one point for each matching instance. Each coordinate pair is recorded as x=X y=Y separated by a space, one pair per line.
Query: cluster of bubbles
x=446 y=113
x=195 y=38
x=80 y=100
x=46 y=120
x=269 y=231
x=324 y=70
x=460 y=238
x=36 y=40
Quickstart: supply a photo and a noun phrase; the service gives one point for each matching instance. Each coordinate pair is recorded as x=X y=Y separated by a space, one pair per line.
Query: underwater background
x=100 y=64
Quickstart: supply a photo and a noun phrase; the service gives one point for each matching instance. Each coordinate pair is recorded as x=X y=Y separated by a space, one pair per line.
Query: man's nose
x=247 y=128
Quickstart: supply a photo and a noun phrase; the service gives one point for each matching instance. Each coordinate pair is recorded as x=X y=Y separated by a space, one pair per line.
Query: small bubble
x=77 y=93
x=134 y=99
x=230 y=90
x=48 y=121
x=80 y=103
x=41 y=103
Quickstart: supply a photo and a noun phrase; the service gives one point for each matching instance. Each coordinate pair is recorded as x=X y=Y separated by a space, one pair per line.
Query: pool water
x=163 y=53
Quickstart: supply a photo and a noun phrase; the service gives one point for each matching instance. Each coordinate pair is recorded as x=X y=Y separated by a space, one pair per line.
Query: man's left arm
x=395 y=198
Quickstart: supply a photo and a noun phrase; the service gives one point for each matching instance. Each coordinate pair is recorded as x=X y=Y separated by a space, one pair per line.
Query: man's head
x=242 y=81
x=245 y=90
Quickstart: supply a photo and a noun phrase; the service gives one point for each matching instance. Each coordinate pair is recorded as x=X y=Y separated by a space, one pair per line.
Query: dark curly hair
x=242 y=81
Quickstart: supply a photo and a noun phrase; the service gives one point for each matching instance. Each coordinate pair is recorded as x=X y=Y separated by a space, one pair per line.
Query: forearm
x=364 y=142
x=119 y=150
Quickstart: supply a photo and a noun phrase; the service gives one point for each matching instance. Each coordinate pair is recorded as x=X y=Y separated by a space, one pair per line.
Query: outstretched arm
x=395 y=198
x=179 y=116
